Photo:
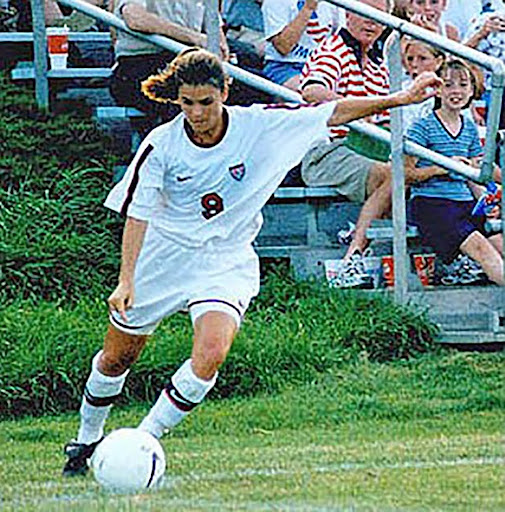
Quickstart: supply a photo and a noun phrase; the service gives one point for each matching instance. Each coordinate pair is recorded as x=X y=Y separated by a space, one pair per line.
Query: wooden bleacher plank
x=305 y=192
x=28 y=73
x=27 y=37
x=116 y=112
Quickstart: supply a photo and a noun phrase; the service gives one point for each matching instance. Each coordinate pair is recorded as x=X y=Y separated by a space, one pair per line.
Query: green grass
x=420 y=435
x=294 y=333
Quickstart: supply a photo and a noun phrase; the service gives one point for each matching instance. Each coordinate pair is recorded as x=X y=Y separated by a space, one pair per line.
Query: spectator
x=137 y=59
x=244 y=28
x=417 y=58
x=402 y=9
x=343 y=66
x=243 y=24
x=428 y=14
x=90 y=54
x=442 y=205
x=293 y=28
x=487 y=34
x=460 y=13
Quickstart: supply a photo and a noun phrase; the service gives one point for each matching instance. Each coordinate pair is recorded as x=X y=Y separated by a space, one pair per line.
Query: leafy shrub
x=56 y=238
x=35 y=147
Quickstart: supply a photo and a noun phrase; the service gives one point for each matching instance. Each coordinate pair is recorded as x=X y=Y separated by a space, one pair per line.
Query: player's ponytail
x=193 y=66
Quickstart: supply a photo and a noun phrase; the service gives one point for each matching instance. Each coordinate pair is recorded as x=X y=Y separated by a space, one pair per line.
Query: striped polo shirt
x=430 y=133
x=335 y=64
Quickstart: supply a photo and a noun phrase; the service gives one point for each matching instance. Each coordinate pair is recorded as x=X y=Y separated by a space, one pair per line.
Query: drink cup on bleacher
x=57 y=47
x=425 y=268
x=388 y=271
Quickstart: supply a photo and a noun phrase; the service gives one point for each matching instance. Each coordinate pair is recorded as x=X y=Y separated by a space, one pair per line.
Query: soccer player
x=192 y=197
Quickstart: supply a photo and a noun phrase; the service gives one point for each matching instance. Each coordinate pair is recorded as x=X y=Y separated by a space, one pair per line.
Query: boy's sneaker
x=463 y=270
x=353 y=274
x=78 y=455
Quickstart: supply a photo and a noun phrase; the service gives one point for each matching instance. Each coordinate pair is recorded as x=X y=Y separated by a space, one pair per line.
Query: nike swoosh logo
x=183 y=178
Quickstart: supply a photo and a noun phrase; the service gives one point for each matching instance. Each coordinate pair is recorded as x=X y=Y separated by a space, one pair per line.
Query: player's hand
x=425 y=86
x=121 y=299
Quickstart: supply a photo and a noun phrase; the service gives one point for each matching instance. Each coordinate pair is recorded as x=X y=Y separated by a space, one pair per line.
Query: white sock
x=181 y=395
x=99 y=394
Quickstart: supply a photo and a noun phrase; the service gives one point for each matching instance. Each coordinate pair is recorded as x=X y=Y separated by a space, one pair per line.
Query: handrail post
x=398 y=193
x=40 y=54
x=212 y=25
x=501 y=160
x=492 y=125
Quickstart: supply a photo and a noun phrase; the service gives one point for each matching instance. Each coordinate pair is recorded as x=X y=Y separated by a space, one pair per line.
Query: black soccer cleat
x=78 y=455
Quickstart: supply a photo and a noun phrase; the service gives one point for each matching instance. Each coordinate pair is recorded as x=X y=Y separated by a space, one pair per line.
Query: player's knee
x=117 y=359
x=216 y=355
x=208 y=360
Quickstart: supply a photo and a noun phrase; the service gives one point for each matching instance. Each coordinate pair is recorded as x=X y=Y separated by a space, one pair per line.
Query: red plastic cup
x=388 y=270
x=425 y=268
x=57 y=46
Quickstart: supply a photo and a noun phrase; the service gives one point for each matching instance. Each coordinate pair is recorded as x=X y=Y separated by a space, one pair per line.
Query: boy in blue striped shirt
x=442 y=205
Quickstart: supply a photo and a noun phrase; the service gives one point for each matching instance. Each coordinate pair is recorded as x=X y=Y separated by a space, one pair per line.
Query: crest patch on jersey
x=237 y=171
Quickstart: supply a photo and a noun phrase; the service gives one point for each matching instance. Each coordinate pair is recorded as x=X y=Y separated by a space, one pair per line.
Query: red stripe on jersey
x=135 y=180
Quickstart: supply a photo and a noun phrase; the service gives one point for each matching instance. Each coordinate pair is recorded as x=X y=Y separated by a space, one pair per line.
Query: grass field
x=421 y=435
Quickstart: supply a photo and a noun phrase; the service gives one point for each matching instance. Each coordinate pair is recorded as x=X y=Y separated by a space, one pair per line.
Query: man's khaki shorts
x=333 y=164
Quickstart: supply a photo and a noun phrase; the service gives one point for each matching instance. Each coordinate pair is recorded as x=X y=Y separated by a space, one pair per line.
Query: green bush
x=292 y=334
x=35 y=147
x=56 y=238
x=60 y=243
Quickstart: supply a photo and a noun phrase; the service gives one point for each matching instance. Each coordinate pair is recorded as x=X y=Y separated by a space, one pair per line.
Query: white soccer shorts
x=170 y=278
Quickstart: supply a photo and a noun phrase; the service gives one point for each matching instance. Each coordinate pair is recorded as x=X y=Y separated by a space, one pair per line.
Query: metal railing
x=398 y=145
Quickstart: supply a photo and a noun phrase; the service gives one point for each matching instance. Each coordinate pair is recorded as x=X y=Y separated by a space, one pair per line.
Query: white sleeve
x=290 y=130
x=139 y=192
x=276 y=15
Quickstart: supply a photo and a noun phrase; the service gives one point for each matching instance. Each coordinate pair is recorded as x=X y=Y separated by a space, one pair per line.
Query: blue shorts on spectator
x=445 y=224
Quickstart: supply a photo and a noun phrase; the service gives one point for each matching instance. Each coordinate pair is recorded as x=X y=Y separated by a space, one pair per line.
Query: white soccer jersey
x=195 y=194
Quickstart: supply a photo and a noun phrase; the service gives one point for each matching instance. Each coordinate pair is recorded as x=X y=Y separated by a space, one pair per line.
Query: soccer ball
x=128 y=460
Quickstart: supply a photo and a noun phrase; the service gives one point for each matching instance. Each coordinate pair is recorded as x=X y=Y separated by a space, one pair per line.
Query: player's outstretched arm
x=133 y=237
x=349 y=109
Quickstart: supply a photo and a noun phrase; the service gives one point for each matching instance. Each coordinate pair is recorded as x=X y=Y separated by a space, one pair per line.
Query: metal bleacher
x=302 y=224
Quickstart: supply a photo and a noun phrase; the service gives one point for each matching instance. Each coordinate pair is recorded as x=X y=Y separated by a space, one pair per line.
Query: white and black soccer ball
x=128 y=460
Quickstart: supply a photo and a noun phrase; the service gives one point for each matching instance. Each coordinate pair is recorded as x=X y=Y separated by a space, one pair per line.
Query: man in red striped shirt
x=348 y=64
